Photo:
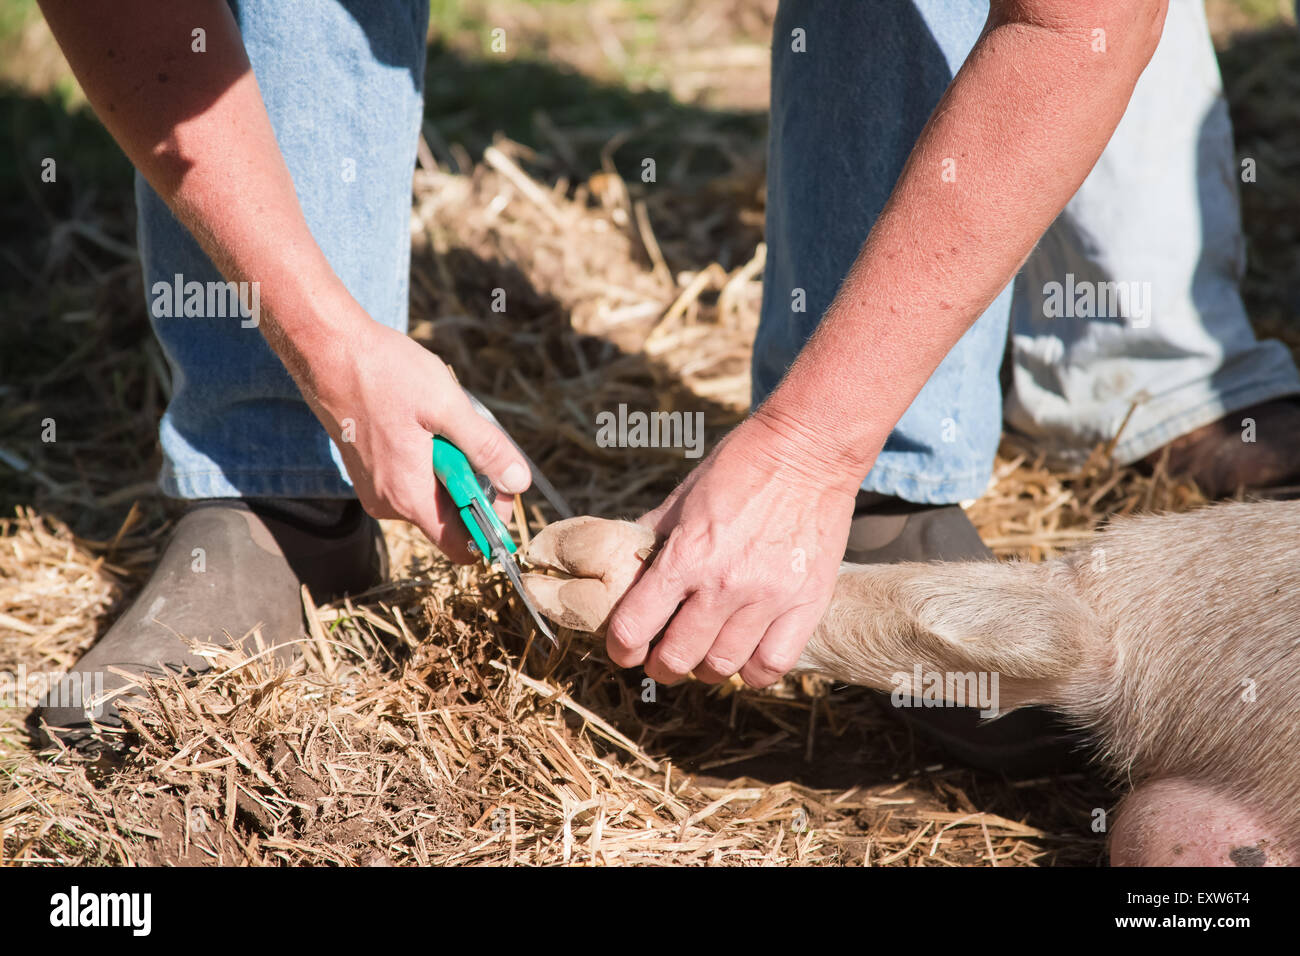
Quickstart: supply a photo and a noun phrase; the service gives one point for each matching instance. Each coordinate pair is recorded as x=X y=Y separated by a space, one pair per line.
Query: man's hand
x=1024 y=121
x=382 y=397
x=204 y=142
x=752 y=541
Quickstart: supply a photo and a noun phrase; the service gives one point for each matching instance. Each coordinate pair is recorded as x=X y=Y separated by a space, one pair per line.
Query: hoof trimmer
x=489 y=537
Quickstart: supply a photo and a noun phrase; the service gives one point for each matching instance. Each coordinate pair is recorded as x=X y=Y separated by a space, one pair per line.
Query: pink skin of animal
x=1171 y=639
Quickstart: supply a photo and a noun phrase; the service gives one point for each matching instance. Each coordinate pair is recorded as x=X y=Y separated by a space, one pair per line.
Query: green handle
x=453 y=469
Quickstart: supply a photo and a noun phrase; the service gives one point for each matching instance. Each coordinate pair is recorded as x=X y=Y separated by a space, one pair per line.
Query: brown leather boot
x=1222 y=463
x=1024 y=743
x=231 y=566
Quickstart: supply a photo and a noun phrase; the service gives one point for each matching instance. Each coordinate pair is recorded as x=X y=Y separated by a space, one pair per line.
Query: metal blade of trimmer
x=512 y=572
x=502 y=554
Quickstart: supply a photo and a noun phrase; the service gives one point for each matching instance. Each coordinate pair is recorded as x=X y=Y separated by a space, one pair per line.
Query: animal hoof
x=591 y=564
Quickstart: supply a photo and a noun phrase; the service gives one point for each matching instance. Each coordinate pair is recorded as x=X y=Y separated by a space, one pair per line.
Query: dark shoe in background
x=1222 y=463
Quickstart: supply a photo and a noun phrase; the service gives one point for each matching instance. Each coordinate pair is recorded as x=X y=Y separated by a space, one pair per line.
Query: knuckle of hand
x=673 y=662
x=375 y=503
x=731 y=578
x=621 y=635
x=721 y=664
x=775 y=661
x=669 y=554
x=741 y=579
x=767 y=591
x=492 y=446
x=382 y=488
x=400 y=502
x=679 y=558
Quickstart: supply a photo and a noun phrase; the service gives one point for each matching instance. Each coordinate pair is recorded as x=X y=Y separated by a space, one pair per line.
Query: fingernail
x=515 y=480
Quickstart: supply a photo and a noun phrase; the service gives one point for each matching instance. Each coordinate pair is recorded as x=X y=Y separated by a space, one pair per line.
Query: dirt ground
x=423 y=725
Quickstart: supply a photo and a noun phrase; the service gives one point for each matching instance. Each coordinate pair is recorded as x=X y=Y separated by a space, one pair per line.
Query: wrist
x=310 y=317
x=809 y=447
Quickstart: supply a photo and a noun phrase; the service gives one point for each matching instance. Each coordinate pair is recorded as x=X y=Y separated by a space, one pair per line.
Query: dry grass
x=422 y=725
x=420 y=729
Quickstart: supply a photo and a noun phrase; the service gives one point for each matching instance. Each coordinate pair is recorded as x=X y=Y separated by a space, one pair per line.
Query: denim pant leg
x=850 y=94
x=1156 y=220
x=343 y=84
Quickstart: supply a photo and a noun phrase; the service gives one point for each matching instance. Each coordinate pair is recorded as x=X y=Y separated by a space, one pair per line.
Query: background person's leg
x=1158 y=213
x=844 y=117
x=342 y=81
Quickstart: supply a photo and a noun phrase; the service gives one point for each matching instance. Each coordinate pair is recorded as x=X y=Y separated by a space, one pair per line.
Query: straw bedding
x=424 y=724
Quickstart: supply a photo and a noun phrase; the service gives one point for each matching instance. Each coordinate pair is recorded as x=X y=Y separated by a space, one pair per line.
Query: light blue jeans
x=343 y=82
x=1158 y=213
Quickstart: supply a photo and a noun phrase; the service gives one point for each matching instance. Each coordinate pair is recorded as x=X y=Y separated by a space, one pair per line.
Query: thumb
x=486 y=446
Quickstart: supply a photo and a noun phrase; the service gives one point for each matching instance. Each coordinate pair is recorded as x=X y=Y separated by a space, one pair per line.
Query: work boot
x=1028 y=742
x=232 y=566
x=1221 y=462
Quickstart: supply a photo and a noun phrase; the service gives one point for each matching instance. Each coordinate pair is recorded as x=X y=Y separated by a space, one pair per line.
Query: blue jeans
x=343 y=82
x=1157 y=221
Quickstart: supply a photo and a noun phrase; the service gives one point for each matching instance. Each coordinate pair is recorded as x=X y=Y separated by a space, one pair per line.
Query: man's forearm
x=1017 y=132
x=195 y=126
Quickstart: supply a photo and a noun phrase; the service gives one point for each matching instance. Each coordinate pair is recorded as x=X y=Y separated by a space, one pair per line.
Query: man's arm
x=754 y=535
x=1023 y=123
x=195 y=126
